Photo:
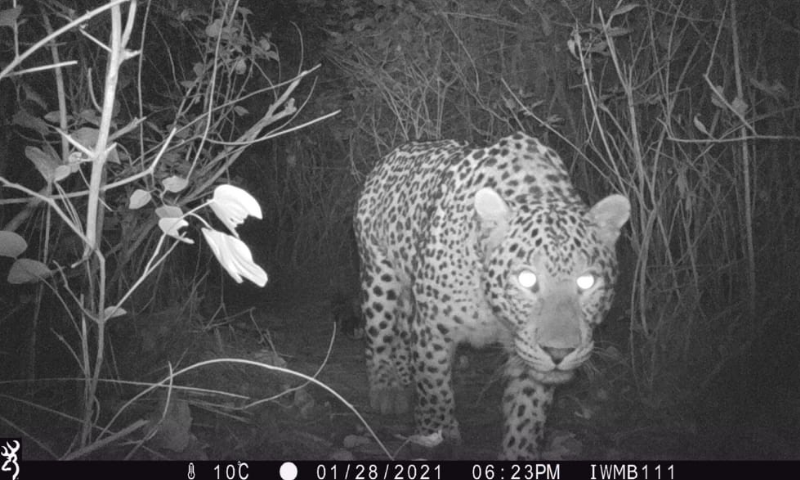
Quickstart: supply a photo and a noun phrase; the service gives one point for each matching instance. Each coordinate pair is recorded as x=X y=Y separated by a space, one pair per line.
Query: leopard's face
x=550 y=279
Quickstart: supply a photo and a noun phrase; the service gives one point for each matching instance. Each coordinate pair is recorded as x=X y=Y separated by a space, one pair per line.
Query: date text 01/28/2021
x=436 y=471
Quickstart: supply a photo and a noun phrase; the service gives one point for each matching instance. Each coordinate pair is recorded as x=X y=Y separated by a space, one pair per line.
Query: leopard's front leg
x=435 y=411
x=526 y=403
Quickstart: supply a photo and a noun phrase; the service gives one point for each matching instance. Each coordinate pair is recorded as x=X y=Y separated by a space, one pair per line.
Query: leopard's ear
x=493 y=216
x=610 y=214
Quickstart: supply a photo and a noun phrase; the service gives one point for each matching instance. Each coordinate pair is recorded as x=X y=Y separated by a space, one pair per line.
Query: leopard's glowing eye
x=585 y=282
x=526 y=278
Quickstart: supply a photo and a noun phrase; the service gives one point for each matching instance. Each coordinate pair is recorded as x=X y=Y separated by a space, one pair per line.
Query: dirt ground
x=593 y=418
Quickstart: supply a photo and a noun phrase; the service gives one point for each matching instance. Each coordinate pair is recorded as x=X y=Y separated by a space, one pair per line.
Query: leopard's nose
x=557 y=354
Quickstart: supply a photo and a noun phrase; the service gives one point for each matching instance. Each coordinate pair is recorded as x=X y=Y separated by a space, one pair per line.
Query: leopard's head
x=548 y=274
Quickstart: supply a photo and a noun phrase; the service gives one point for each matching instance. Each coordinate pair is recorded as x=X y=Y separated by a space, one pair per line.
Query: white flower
x=232 y=205
x=235 y=257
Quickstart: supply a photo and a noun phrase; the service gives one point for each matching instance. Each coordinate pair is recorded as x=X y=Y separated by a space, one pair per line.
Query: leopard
x=481 y=246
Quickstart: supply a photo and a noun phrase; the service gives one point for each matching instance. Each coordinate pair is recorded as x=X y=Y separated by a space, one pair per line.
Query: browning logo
x=8 y=451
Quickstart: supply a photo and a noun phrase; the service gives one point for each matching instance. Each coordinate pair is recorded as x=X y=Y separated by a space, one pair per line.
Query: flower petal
x=233 y=205
x=235 y=257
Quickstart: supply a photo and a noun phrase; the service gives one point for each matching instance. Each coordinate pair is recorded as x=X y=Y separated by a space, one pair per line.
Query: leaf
x=718 y=98
x=233 y=205
x=54 y=116
x=139 y=199
x=173 y=158
x=25 y=270
x=64 y=171
x=26 y=120
x=272 y=55
x=113 y=311
x=113 y=156
x=90 y=116
x=618 y=31
x=572 y=45
x=9 y=17
x=171 y=226
x=240 y=66
x=198 y=69
x=86 y=136
x=599 y=47
x=32 y=96
x=44 y=163
x=699 y=125
x=739 y=106
x=174 y=184
x=169 y=211
x=214 y=29
x=11 y=244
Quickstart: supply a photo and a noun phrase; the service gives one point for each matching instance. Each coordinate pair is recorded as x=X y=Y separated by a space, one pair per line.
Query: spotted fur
x=481 y=245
